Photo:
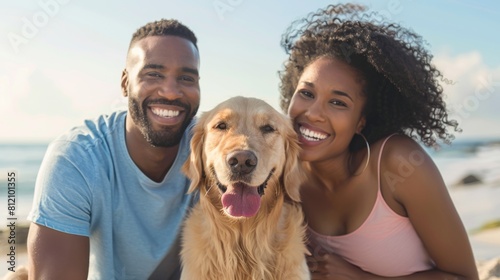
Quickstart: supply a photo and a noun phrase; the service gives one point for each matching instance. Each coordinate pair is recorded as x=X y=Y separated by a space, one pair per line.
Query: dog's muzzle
x=240 y=199
x=241 y=162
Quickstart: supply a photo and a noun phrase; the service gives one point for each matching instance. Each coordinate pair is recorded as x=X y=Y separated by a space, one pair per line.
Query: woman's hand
x=323 y=265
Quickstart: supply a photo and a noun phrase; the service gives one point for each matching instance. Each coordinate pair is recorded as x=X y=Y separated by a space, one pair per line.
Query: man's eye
x=155 y=74
x=186 y=79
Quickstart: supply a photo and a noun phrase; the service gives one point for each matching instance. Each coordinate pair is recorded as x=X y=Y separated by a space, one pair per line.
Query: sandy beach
x=13 y=255
x=488 y=269
x=475 y=200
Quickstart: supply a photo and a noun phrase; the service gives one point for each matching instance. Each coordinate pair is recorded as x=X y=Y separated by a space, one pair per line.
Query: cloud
x=40 y=103
x=40 y=128
x=44 y=97
x=13 y=84
x=472 y=92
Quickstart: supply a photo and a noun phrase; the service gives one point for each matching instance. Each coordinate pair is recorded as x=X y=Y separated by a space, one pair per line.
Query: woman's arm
x=423 y=194
x=331 y=266
x=420 y=190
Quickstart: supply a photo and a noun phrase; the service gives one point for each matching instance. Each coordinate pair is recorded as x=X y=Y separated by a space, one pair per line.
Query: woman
x=359 y=93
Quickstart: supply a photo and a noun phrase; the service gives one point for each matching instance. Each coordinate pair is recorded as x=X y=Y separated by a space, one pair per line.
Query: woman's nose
x=315 y=112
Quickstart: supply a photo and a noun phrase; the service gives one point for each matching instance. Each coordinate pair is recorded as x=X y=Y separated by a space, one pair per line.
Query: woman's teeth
x=312 y=135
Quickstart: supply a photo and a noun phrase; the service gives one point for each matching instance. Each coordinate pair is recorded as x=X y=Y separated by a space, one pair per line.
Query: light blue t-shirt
x=88 y=185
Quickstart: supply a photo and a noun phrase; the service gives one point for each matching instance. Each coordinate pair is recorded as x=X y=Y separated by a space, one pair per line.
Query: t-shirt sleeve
x=63 y=196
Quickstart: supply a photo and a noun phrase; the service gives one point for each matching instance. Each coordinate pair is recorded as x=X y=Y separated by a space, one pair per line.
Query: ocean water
x=24 y=160
x=476 y=203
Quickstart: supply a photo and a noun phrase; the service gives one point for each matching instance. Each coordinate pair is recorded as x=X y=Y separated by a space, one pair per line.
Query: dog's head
x=244 y=154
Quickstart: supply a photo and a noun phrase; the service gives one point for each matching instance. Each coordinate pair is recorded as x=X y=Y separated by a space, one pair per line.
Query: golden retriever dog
x=248 y=223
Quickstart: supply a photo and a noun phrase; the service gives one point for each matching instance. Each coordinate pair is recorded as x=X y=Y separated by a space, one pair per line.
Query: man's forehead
x=140 y=48
x=137 y=52
x=145 y=47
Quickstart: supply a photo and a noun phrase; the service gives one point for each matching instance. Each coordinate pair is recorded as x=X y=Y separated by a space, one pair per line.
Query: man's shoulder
x=186 y=138
x=94 y=128
x=188 y=133
x=93 y=134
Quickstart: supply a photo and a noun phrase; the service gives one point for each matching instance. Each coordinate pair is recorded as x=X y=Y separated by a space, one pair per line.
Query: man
x=110 y=196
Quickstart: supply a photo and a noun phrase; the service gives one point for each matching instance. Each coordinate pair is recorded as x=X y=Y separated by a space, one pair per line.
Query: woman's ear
x=361 y=124
x=124 y=83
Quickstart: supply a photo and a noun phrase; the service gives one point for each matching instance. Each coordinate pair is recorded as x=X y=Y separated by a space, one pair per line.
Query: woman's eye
x=306 y=94
x=267 y=128
x=221 y=126
x=338 y=103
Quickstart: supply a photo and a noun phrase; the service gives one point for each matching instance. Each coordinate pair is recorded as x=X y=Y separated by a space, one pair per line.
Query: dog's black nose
x=242 y=162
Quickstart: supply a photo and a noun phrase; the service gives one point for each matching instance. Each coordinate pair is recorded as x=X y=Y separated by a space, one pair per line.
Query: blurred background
x=61 y=62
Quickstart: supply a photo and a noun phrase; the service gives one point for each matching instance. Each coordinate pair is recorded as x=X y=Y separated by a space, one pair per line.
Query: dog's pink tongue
x=241 y=200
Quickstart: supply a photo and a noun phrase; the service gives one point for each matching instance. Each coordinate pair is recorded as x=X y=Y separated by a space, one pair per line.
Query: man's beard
x=166 y=137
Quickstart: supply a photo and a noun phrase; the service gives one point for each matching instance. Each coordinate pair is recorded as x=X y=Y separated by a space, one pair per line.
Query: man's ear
x=124 y=83
x=361 y=124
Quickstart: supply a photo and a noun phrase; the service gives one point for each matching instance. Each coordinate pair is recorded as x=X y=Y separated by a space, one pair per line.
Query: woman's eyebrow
x=338 y=92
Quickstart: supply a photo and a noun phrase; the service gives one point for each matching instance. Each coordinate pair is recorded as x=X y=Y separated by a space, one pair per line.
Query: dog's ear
x=293 y=174
x=193 y=167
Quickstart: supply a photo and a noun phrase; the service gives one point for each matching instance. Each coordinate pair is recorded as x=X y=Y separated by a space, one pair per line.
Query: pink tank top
x=385 y=244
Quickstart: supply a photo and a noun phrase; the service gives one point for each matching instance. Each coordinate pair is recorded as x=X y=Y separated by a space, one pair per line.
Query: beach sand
x=488 y=269
x=490 y=236
x=488 y=240
x=18 y=253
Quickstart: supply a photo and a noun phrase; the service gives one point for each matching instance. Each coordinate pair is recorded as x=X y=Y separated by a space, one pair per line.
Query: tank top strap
x=380 y=159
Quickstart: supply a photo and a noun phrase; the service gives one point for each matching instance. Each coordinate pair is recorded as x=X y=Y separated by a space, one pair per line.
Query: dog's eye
x=221 y=126
x=267 y=129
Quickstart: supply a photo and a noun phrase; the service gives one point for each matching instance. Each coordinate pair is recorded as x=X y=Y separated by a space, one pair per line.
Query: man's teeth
x=312 y=135
x=165 y=113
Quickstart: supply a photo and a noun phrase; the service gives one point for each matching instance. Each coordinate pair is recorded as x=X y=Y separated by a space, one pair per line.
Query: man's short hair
x=164 y=27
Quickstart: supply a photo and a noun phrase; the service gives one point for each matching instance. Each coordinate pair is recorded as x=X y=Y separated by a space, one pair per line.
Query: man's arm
x=57 y=255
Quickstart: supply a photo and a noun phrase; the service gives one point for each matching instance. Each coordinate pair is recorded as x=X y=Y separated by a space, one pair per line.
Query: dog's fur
x=223 y=243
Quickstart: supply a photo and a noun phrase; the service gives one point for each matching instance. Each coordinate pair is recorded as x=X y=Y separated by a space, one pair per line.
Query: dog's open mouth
x=240 y=199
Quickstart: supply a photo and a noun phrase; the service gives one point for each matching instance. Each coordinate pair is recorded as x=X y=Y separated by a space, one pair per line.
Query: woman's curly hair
x=400 y=83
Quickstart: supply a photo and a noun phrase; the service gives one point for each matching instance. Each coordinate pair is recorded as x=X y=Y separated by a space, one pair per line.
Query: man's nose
x=170 y=89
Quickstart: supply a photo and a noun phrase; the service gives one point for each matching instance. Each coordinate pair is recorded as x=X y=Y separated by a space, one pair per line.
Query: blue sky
x=61 y=60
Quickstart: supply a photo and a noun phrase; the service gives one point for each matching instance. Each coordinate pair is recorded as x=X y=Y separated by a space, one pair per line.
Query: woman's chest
x=340 y=212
